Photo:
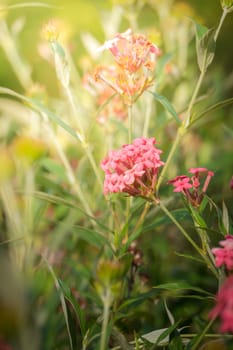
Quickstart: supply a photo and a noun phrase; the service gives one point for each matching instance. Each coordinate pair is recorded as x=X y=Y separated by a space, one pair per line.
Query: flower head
x=224 y=256
x=190 y=185
x=135 y=58
x=133 y=169
x=132 y=51
x=224 y=306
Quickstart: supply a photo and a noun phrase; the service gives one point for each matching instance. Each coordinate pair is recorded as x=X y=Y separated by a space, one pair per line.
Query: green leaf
x=179 y=214
x=160 y=336
x=191 y=257
x=167 y=105
x=54 y=167
x=198 y=219
x=181 y=286
x=200 y=30
x=225 y=218
x=212 y=109
x=205 y=46
x=78 y=311
x=92 y=237
x=62 y=300
x=176 y=342
x=39 y=107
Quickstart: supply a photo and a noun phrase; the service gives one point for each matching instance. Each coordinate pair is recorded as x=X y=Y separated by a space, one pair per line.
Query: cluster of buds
x=133 y=169
x=135 y=58
x=136 y=253
x=190 y=186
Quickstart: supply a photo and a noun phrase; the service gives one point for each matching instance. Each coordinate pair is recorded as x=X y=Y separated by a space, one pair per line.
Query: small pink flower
x=224 y=306
x=180 y=183
x=224 y=256
x=133 y=169
x=190 y=186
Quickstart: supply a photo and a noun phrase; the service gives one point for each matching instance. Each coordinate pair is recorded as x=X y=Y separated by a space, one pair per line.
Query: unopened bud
x=227 y=4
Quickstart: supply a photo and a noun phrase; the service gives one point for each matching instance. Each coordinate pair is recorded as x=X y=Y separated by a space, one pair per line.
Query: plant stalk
x=104 y=330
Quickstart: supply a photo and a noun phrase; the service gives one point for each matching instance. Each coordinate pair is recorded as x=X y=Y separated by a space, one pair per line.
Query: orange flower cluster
x=135 y=58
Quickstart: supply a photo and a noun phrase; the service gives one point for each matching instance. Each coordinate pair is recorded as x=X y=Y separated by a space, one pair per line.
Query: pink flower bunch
x=135 y=58
x=190 y=185
x=224 y=256
x=133 y=169
x=224 y=306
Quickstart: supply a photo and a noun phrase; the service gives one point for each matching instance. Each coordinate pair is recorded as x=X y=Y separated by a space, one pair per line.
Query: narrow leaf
x=90 y=236
x=167 y=105
x=213 y=108
x=225 y=218
x=181 y=286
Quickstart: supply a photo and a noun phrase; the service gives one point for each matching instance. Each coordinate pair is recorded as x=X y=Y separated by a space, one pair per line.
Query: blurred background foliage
x=56 y=226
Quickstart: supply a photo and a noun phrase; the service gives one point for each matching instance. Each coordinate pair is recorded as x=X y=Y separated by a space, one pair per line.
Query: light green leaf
x=225 y=218
x=205 y=47
x=54 y=167
x=212 y=108
x=167 y=105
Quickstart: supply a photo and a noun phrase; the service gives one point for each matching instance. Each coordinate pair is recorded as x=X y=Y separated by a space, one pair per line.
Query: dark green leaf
x=90 y=236
x=78 y=311
x=181 y=286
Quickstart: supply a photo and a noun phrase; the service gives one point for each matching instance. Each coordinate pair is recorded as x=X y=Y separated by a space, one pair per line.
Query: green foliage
x=84 y=270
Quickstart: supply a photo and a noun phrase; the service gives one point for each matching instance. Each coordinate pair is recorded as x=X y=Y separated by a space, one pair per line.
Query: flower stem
x=202 y=335
x=69 y=171
x=169 y=158
x=224 y=13
x=186 y=235
x=84 y=144
x=104 y=330
x=182 y=129
x=130 y=123
x=142 y=216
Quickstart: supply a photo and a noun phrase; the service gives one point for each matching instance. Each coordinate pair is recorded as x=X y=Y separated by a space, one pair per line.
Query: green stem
x=130 y=107
x=202 y=335
x=142 y=216
x=21 y=69
x=187 y=120
x=69 y=171
x=82 y=138
x=186 y=235
x=193 y=99
x=224 y=14
x=169 y=158
x=104 y=330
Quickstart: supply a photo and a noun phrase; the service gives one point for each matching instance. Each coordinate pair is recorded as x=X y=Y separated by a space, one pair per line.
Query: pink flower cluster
x=224 y=306
x=190 y=185
x=224 y=256
x=133 y=169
